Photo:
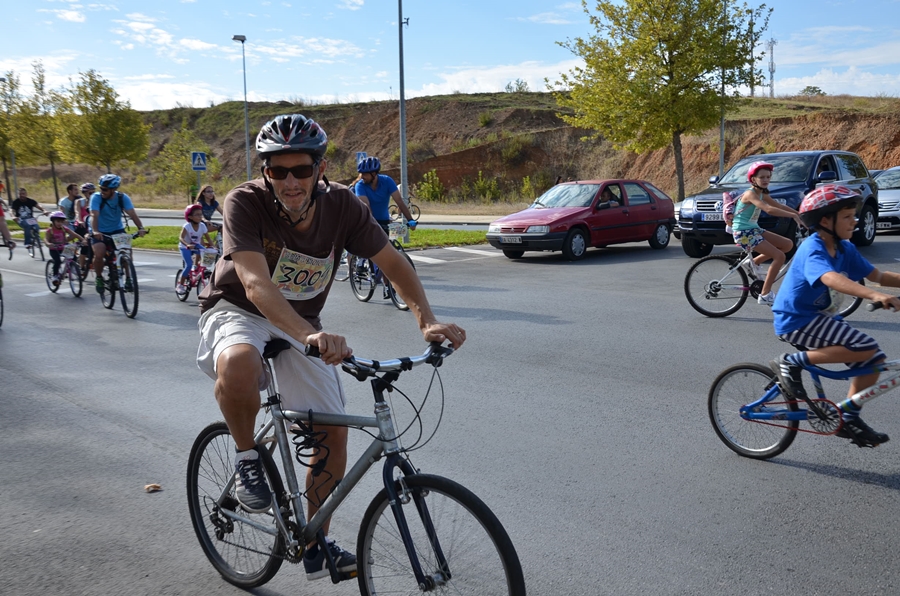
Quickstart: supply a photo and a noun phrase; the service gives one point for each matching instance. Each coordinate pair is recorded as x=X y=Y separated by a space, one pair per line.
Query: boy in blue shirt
x=826 y=265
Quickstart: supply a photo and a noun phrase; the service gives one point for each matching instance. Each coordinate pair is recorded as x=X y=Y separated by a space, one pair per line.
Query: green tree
x=9 y=100
x=33 y=130
x=96 y=128
x=173 y=163
x=811 y=91
x=656 y=70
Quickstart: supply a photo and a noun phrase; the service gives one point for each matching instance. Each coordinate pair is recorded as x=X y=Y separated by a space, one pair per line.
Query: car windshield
x=888 y=179
x=788 y=168
x=567 y=195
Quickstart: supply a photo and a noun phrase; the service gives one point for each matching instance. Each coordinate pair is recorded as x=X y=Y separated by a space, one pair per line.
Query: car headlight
x=537 y=230
x=493 y=228
x=687 y=206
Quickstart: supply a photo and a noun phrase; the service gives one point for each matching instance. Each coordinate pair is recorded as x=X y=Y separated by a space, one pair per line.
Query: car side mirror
x=713 y=180
x=828 y=176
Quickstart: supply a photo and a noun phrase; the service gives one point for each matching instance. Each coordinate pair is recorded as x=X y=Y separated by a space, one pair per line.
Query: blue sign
x=360 y=155
x=198 y=161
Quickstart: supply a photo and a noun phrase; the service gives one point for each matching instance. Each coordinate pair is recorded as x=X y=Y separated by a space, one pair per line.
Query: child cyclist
x=191 y=234
x=749 y=236
x=56 y=237
x=824 y=265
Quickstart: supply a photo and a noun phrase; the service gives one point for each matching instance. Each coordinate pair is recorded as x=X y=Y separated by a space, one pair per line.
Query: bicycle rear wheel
x=128 y=287
x=183 y=296
x=39 y=246
x=244 y=555
x=736 y=387
x=343 y=268
x=414 y=211
x=460 y=543
x=201 y=285
x=75 y=281
x=1 y=300
x=362 y=278
x=48 y=277
x=716 y=286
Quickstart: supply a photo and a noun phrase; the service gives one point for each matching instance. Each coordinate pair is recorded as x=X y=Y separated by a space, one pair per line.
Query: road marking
x=22 y=273
x=142 y=279
x=36 y=294
x=143 y=263
x=474 y=251
x=427 y=260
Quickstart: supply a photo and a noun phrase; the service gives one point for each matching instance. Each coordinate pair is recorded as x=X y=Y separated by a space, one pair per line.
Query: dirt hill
x=509 y=136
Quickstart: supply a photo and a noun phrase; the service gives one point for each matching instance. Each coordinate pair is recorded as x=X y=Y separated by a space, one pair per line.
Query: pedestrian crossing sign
x=198 y=161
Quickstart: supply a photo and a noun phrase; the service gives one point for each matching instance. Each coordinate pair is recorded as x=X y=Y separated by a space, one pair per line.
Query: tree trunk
x=108 y=169
x=679 y=163
x=6 y=177
x=55 y=186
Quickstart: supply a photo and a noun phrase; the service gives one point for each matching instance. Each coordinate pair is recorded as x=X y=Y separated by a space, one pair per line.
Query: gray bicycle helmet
x=291 y=133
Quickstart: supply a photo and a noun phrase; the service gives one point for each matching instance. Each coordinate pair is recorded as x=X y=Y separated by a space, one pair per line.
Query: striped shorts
x=824 y=331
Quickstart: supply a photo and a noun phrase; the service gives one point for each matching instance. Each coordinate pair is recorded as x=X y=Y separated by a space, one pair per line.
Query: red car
x=573 y=216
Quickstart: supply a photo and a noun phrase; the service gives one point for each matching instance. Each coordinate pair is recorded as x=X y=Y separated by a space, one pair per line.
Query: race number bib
x=69 y=251
x=122 y=241
x=300 y=277
x=397 y=230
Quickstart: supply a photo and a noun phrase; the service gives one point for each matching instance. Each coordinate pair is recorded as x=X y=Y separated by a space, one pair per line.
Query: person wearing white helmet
x=277 y=224
x=826 y=266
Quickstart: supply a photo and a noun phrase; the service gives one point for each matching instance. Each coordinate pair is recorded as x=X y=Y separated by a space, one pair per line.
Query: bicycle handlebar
x=362 y=368
x=876 y=305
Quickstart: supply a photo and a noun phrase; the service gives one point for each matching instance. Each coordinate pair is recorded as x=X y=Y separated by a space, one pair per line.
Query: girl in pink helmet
x=193 y=232
x=56 y=237
x=750 y=236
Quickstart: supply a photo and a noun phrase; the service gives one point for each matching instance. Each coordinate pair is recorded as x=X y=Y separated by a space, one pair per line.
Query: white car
x=888 y=199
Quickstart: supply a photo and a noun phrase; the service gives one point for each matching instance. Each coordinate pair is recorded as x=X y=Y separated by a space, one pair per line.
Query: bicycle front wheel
x=108 y=295
x=716 y=286
x=736 y=387
x=362 y=278
x=39 y=246
x=75 y=281
x=850 y=303
x=343 y=268
x=392 y=291
x=244 y=555
x=461 y=545
x=128 y=287
x=48 y=277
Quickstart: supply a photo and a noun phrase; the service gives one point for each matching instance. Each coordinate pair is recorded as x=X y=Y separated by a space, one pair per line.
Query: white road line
x=142 y=279
x=36 y=294
x=427 y=260
x=143 y=263
x=474 y=251
x=22 y=273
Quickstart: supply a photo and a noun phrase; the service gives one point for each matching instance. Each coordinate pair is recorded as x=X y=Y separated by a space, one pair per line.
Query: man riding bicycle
x=107 y=209
x=23 y=209
x=282 y=240
x=376 y=190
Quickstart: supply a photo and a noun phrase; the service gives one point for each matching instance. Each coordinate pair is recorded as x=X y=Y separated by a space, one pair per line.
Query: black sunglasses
x=298 y=172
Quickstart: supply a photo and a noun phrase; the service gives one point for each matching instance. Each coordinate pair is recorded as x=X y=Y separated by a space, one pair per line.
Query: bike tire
x=342 y=271
x=414 y=211
x=48 y=277
x=76 y=284
x=243 y=555
x=851 y=303
x=201 y=285
x=183 y=296
x=479 y=554
x=735 y=387
x=705 y=292
x=40 y=247
x=394 y=212
x=362 y=279
x=129 y=298
x=1 y=301
x=392 y=291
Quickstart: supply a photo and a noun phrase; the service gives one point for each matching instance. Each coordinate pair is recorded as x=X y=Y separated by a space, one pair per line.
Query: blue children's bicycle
x=754 y=418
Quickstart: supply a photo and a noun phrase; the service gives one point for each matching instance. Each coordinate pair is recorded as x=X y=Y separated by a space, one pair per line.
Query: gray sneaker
x=860 y=433
x=788 y=375
x=250 y=486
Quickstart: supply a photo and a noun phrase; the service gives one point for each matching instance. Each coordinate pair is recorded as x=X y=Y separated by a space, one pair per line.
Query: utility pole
x=722 y=117
x=404 y=180
x=772 y=43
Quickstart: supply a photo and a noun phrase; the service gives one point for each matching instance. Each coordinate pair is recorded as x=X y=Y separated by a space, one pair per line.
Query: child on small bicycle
x=826 y=265
x=749 y=236
x=191 y=235
x=56 y=237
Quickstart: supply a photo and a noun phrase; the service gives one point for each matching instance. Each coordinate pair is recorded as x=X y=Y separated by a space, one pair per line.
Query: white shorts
x=304 y=383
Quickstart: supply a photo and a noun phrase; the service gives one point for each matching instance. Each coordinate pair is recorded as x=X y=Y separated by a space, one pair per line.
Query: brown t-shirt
x=302 y=264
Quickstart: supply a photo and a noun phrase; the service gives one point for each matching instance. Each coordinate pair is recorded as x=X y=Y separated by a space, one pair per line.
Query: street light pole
x=722 y=117
x=242 y=39
x=404 y=180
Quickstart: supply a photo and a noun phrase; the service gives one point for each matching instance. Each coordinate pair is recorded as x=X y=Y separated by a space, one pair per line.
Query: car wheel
x=695 y=248
x=513 y=254
x=865 y=235
x=575 y=244
x=660 y=237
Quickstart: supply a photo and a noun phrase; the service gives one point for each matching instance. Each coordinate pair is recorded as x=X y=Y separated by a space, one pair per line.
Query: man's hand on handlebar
x=332 y=348
x=441 y=332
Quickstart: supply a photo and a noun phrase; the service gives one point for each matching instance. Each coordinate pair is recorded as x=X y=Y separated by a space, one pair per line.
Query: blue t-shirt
x=208 y=209
x=379 y=200
x=803 y=295
x=110 y=215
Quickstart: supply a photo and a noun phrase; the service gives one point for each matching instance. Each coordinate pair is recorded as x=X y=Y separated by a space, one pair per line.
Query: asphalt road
x=576 y=410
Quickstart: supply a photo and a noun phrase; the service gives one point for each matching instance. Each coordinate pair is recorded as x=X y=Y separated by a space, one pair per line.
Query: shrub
x=485 y=119
x=513 y=151
x=527 y=190
x=487 y=189
x=430 y=188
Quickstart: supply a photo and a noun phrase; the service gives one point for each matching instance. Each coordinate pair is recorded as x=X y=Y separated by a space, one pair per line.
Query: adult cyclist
x=276 y=224
x=107 y=210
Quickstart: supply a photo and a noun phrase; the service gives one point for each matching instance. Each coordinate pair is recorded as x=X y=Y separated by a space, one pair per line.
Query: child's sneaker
x=55 y=280
x=315 y=566
x=99 y=285
x=756 y=270
x=766 y=299
x=860 y=433
x=181 y=289
x=789 y=377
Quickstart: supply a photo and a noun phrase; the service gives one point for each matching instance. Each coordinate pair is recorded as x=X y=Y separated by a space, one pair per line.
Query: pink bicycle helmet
x=57 y=215
x=189 y=210
x=826 y=199
x=756 y=166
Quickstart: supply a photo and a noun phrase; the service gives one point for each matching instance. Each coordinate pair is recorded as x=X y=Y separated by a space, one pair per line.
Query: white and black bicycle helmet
x=291 y=133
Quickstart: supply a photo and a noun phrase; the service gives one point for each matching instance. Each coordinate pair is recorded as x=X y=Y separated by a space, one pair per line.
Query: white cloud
x=318 y=50
x=852 y=81
x=196 y=44
x=490 y=79
x=150 y=95
x=546 y=18
x=103 y=7
x=72 y=16
x=351 y=4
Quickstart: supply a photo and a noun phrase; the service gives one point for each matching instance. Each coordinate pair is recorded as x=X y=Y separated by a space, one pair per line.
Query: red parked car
x=573 y=216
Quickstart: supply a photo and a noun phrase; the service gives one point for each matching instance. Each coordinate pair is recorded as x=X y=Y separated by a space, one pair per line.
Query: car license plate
x=883 y=225
x=510 y=240
x=713 y=217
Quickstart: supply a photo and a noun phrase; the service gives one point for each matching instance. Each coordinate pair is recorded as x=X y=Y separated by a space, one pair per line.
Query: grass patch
x=166 y=238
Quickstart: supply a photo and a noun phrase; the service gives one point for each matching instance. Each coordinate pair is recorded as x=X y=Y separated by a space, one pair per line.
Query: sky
x=180 y=52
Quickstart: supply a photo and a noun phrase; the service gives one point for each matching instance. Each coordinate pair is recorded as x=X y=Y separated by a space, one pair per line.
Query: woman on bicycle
x=191 y=235
x=827 y=263
x=749 y=236
x=56 y=237
x=206 y=198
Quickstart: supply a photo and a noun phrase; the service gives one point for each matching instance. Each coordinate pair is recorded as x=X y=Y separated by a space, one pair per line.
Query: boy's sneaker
x=250 y=486
x=316 y=567
x=788 y=375
x=860 y=433
x=99 y=285
x=766 y=299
